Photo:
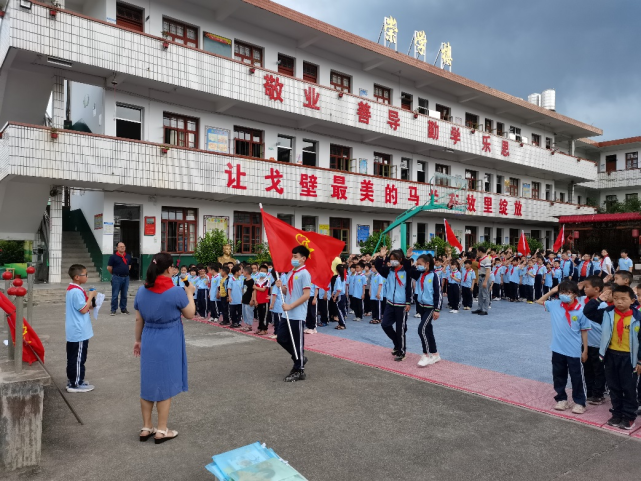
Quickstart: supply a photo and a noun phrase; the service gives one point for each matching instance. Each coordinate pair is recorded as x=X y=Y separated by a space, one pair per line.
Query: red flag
x=523 y=247
x=558 y=243
x=282 y=238
x=29 y=335
x=451 y=238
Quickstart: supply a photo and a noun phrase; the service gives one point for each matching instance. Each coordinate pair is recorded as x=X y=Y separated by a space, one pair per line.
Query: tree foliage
x=368 y=245
x=11 y=252
x=628 y=205
x=438 y=245
x=261 y=253
x=210 y=246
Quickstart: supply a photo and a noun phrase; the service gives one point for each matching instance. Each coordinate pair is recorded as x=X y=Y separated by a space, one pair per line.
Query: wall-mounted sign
x=211 y=222
x=217 y=44
x=150 y=225
x=97 y=222
x=362 y=232
x=108 y=228
x=323 y=229
x=217 y=140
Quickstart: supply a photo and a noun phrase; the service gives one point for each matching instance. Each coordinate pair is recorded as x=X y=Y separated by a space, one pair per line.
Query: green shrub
x=11 y=252
x=261 y=253
x=368 y=245
x=210 y=246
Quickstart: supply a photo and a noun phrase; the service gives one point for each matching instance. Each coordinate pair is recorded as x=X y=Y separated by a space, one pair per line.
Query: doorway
x=127 y=230
x=470 y=236
x=514 y=237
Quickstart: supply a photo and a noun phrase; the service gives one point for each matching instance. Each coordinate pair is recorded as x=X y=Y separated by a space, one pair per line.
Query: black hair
x=263 y=266
x=625 y=275
x=254 y=264
x=76 y=270
x=340 y=270
x=301 y=250
x=624 y=290
x=215 y=266
x=247 y=269
x=569 y=286
x=596 y=282
x=159 y=264
x=274 y=274
x=481 y=249
x=361 y=265
x=468 y=262
x=225 y=269
x=397 y=254
x=624 y=251
x=235 y=269
x=429 y=260
x=454 y=262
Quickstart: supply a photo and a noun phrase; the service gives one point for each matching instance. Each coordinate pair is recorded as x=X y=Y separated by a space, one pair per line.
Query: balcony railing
x=616 y=179
x=95 y=161
x=76 y=38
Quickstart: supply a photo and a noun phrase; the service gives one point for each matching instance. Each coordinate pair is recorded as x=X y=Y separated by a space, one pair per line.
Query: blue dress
x=163 y=358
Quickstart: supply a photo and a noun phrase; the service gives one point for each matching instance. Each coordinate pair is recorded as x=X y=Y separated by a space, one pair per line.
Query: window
x=339 y=229
x=408 y=235
x=382 y=164
x=578 y=199
x=499 y=184
x=288 y=218
x=339 y=157
x=310 y=72
x=382 y=94
x=421 y=233
x=128 y=122
x=489 y=125
x=247 y=231
x=471 y=120
x=248 y=142
x=406 y=168
x=536 y=190
x=310 y=149
x=610 y=163
x=406 y=101
x=562 y=197
x=632 y=160
x=629 y=197
x=610 y=200
x=178 y=229
x=500 y=128
x=548 y=192
x=309 y=223
x=499 y=236
x=421 y=171
x=446 y=112
x=380 y=225
x=439 y=231
x=487 y=234
x=471 y=176
x=441 y=169
x=285 y=148
x=423 y=106
x=180 y=131
x=514 y=187
x=548 y=143
x=341 y=82
x=129 y=17
x=536 y=140
x=487 y=183
x=180 y=33
x=516 y=131
x=248 y=54
x=535 y=234
x=285 y=65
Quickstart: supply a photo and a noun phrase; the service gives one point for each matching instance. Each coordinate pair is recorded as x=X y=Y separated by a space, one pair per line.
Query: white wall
x=91 y=203
x=87 y=105
x=22 y=206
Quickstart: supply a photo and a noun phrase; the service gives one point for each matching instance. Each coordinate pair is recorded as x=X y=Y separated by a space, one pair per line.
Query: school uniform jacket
x=608 y=331
x=588 y=272
x=395 y=293
x=428 y=289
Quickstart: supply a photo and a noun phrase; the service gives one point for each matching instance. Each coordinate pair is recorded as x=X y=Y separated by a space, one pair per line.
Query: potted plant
x=252 y=70
x=166 y=37
x=164 y=149
x=54 y=133
x=53 y=11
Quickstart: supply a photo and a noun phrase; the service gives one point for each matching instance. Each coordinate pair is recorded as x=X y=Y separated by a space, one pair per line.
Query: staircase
x=74 y=251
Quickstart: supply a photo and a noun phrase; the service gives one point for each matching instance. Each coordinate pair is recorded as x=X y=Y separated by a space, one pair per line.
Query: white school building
x=152 y=122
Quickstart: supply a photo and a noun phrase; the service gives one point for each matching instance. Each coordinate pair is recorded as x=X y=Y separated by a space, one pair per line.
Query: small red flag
x=451 y=238
x=558 y=243
x=282 y=238
x=29 y=335
x=523 y=247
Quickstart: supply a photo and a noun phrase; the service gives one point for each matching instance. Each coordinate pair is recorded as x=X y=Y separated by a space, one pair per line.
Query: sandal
x=165 y=435
x=144 y=437
x=340 y=328
x=374 y=321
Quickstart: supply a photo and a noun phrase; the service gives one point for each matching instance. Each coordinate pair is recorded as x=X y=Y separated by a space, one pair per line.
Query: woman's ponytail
x=159 y=264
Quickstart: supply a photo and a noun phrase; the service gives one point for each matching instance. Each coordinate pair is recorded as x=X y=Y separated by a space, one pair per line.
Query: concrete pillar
x=572 y=147
x=55 y=237
x=58 y=102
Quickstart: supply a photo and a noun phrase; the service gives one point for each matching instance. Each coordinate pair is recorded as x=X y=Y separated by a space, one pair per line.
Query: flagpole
x=289 y=326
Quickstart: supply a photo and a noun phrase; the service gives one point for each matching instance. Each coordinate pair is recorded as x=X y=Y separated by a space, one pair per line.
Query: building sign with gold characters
x=389 y=32
x=445 y=53
x=419 y=42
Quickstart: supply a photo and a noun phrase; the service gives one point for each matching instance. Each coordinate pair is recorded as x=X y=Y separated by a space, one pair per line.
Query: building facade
x=170 y=119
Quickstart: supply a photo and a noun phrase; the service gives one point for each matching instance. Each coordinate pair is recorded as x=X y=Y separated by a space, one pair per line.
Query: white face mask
x=394 y=263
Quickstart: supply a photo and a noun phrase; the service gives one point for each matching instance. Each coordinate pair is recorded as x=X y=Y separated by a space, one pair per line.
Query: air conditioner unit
x=433 y=113
x=420 y=166
x=524 y=140
x=512 y=136
x=457 y=120
x=480 y=127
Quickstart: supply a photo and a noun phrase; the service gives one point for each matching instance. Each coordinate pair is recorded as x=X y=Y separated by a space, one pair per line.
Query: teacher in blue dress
x=160 y=344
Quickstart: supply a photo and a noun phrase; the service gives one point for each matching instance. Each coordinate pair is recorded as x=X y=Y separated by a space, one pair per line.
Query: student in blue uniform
x=398 y=292
x=235 y=285
x=515 y=279
x=467 y=284
x=275 y=302
x=214 y=286
x=428 y=286
x=377 y=283
x=202 y=290
x=338 y=297
x=312 y=311
x=454 y=287
x=549 y=276
x=349 y=288
x=322 y=300
x=625 y=263
x=529 y=276
x=539 y=278
x=497 y=279
x=585 y=268
x=298 y=287
x=567 y=267
x=357 y=291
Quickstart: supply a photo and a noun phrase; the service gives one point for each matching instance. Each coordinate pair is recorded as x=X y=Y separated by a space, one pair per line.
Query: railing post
x=20 y=292
x=31 y=273
x=5 y=317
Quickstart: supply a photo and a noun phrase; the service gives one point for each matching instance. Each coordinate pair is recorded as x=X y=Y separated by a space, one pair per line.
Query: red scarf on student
x=398 y=279
x=511 y=270
x=423 y=279
x=570 y=307
x=162 y=284
x=290 y=280
x=584 y=269
x=122 y=256
x=73 y=286
x=620 y=323
x=466 y=273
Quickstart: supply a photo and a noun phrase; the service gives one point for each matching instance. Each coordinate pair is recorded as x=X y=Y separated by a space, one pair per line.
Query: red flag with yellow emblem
x=29 y=336
x=282 y=238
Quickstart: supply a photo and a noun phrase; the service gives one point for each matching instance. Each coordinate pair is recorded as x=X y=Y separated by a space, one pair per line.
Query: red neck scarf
x=620 y=322
x=122 y=256
x=584 y=269
x=398 y=279
x=511 y=270
x=570 y=307
x=75 y=286
x=602 y=260
x=423 y=279
x=466 y=273
x=162 y=284
x=290 y=280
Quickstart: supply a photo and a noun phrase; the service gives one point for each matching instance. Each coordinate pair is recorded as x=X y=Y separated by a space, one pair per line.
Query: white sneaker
x=489 y=307
x=84 y=387
x=562 y=406
x=312 y=331
x=434 y=359
x=417 y=315
x=351 y=312
x=424 y=361
x=273 y=336
x=454 y=311
x=578 y=409
x=307 y=331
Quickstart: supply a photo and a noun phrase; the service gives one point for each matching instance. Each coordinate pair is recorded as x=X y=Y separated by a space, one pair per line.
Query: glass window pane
x=172 y=28
x=174 y=122
x=191 y=125
x=130 y=113
x=191 y=33
x=180 y=123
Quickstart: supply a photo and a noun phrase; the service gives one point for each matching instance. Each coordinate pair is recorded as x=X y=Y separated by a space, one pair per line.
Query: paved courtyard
x=358 y=416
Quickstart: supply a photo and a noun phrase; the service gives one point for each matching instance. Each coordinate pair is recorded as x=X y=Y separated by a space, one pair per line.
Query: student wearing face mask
x=261 y=299
x=398 y=292
x=454 y=287
x=569 y=344
x=429 y=298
